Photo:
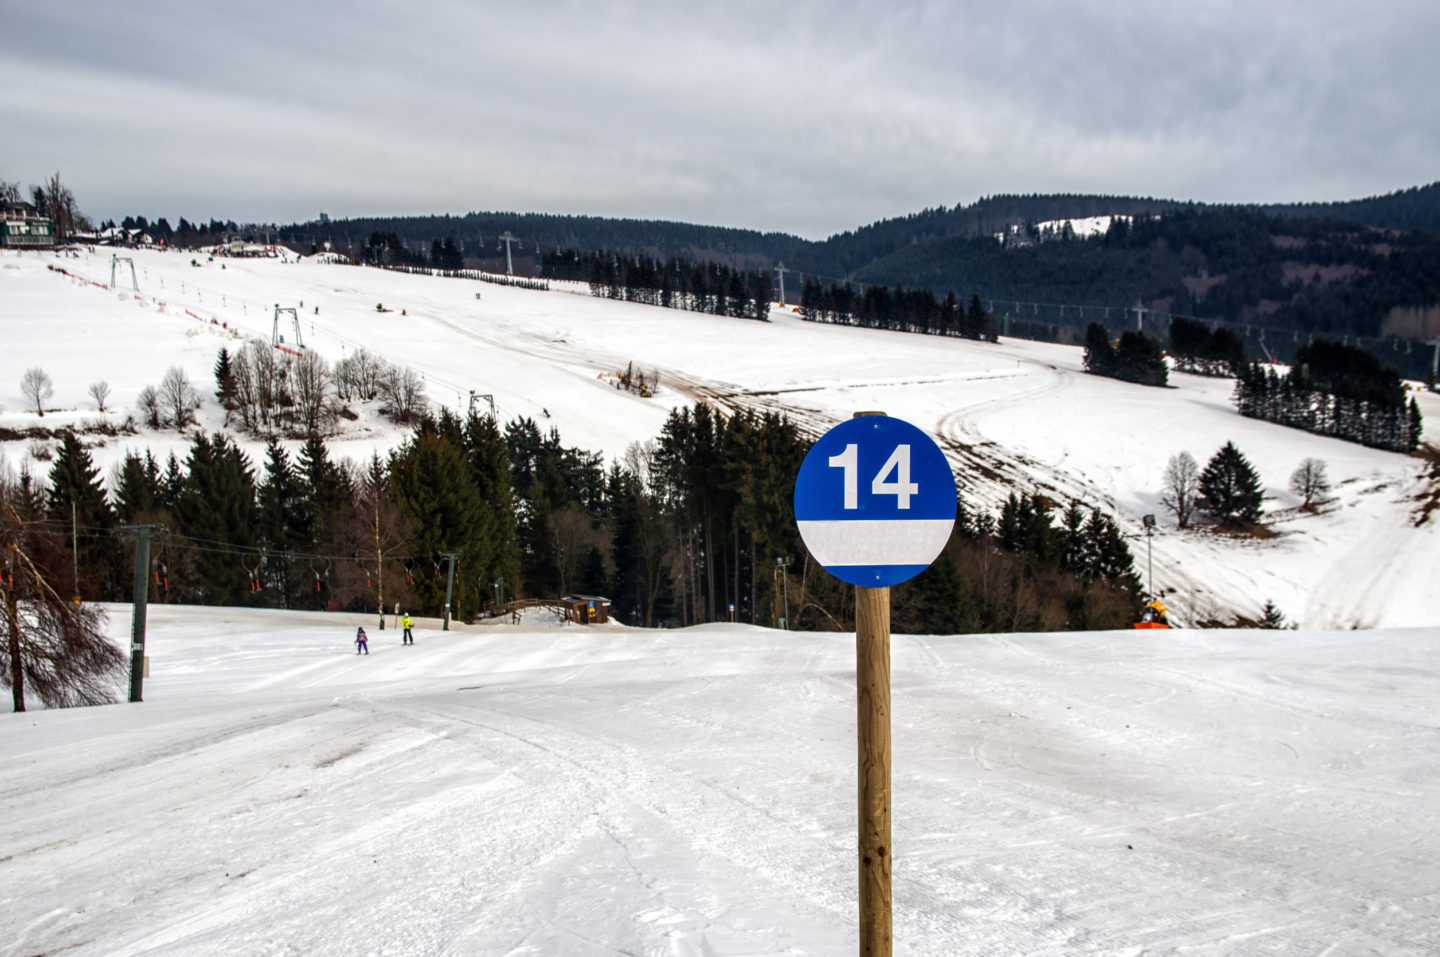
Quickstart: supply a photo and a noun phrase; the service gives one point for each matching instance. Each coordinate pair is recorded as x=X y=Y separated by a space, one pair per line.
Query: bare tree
x=378 y=527
x=62 y=207
x=1182 y=487
x=100 y=392
x=272 y=395
x=357 y=376
x=56 y=648
x=262 y=393
x=35 y=384
x=9 y=192
x=243 y=391
x=178 y=399
x=148 y=403
x=310 y=382
x=404 y=395
x=63 y=210
x=1310 y=482
x=572 y=535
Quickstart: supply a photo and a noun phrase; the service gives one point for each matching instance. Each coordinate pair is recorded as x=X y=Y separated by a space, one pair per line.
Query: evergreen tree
x=431 y=481
x=1272 y=617
x=282 y=528
x=216 y=510
x=1230 y=489
x=137 y=489
x=325 y=496
x=76 y=493
x=497 y=553
x=1099 y=354
x=224 y=381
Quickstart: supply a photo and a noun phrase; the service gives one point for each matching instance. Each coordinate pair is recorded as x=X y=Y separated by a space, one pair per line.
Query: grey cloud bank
x=807 y=118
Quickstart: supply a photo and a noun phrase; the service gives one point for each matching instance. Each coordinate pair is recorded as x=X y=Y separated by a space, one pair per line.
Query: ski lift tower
x=475 y=398
x=507 y=239
x=277 y=340
x=115 y=261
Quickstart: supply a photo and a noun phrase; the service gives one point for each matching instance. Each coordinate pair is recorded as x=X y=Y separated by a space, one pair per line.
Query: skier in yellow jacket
x=407 y=623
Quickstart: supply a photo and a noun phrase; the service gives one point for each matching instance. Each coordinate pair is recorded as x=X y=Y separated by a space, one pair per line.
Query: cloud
x=804 y=117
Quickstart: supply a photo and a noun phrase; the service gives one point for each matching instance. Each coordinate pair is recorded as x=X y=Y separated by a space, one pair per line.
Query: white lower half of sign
x=915 y=542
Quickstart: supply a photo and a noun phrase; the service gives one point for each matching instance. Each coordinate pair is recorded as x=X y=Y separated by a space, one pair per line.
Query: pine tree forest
x=684 y=529
x=1337 y=390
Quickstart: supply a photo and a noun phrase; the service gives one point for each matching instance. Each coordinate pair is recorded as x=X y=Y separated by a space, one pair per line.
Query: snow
x=1014 y=416
x=1081 y=227
x=565 y=790
x=549 y=789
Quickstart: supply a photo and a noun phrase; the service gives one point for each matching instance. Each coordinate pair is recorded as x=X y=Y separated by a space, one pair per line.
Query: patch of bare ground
x=1429 y=498
x=89 y=427
x=1243 y=530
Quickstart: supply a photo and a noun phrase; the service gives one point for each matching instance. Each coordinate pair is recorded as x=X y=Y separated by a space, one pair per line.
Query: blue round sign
x=875 y=501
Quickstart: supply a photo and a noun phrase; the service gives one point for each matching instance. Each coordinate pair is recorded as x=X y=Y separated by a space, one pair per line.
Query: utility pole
x=449 y=589
x=1149 y=521
x=74 y=551
x=782 y=271
x=507 y=239
x=784 y=565
x=137 y=615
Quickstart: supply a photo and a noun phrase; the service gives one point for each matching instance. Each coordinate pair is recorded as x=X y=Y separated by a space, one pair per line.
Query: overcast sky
x=808 y=118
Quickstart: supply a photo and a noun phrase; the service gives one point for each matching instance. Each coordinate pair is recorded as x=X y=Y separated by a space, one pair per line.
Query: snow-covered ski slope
x=1013 y=416
x=523 y=790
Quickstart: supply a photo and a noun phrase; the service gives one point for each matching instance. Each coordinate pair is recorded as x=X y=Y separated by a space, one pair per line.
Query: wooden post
x=872 y=682
x=137 y=614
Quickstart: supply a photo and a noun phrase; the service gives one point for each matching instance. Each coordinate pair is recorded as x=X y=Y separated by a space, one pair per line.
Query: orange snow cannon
x=1153 y=617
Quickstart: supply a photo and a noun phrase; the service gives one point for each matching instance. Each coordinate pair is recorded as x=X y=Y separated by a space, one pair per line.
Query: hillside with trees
x=1274 y=275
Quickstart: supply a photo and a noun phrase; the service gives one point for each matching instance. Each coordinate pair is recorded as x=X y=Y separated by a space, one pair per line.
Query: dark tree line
x=186 y=233
x=1024 y=572
x=898 y=309
x=1337 y=390
x=1134 y=357
x=682 y=530
x=1195 y=347
x=677 y=284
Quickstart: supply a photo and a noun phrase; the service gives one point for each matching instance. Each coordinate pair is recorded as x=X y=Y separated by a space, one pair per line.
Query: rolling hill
x=1013 y=416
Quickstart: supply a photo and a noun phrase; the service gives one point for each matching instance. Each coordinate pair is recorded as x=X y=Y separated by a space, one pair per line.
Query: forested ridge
x=1348 y=269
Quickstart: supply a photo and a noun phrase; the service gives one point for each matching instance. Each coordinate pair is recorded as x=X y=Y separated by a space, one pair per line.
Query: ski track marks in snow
x=512 y=790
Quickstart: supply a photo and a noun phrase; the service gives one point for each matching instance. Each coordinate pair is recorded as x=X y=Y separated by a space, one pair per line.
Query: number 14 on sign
x=898 y=465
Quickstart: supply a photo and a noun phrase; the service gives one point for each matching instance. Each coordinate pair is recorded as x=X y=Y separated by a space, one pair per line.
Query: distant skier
x=547 y=412
x=407 y=623
x=361 y=642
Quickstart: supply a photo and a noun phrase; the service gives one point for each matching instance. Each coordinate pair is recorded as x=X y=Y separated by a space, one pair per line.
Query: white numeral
x=849 y=460
x=898 y=464
x=902 y=488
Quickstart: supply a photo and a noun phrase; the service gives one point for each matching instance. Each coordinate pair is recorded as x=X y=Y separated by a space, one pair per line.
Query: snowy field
x=1014 y=416
x=545 y=790
x=514 y=790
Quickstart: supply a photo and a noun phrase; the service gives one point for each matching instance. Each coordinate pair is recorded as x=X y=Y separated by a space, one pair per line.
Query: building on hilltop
x=22 y=227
